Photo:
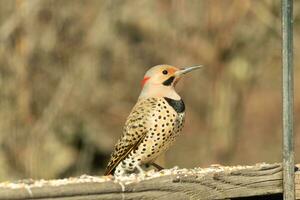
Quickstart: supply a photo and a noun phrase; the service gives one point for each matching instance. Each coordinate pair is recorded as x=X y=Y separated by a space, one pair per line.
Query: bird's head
x=159 y=81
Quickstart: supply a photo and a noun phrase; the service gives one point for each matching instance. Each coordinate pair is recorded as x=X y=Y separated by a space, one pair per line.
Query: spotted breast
x=150 y=129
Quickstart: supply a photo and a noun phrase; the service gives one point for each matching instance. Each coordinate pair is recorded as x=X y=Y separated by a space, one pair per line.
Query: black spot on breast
x=169 y=81
x=178 y=105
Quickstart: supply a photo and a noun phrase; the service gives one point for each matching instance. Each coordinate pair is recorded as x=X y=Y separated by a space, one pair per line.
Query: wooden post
x=287 y=62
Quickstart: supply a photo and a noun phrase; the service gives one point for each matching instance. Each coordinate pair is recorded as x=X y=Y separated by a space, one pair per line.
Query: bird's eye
x=165 y=72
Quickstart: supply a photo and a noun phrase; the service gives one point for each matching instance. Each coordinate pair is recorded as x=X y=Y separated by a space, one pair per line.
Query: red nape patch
x=145 y=80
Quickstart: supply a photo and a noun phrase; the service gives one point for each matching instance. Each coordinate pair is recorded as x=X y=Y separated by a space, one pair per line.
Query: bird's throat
x=149 y=91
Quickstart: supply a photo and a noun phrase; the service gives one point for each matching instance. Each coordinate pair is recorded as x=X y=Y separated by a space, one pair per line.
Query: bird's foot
x=141 y=171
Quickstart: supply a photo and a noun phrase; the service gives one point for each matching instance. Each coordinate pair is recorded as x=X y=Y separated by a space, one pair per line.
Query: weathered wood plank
x=211 y=183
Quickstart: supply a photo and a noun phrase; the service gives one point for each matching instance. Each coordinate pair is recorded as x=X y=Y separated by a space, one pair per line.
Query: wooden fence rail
x=261 y=181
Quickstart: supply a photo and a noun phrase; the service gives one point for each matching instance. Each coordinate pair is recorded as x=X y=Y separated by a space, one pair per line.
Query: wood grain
x=262 y=180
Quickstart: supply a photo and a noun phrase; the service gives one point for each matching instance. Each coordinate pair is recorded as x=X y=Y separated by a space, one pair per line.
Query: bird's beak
x=185 y=70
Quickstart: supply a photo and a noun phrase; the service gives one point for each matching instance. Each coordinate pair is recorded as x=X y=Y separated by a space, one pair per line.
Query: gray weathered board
x=216 y=182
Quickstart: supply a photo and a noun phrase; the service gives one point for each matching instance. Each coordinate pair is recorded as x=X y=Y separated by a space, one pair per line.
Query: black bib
x=178 y=105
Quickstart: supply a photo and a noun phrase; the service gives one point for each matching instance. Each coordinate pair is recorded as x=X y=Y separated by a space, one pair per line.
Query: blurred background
x=70 y=73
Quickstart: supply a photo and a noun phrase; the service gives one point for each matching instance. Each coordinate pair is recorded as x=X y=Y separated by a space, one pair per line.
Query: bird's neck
x=159 y=91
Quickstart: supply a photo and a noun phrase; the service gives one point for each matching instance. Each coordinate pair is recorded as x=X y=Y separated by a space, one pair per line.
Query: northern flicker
x=154 y=122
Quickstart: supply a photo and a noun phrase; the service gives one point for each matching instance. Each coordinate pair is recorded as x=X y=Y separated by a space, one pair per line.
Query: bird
x=154 y=122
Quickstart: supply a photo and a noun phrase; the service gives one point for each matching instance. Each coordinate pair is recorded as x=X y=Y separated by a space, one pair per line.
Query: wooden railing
x=261 y=181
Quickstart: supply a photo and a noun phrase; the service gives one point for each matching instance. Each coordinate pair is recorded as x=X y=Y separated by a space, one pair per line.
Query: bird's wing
x=134 y=132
